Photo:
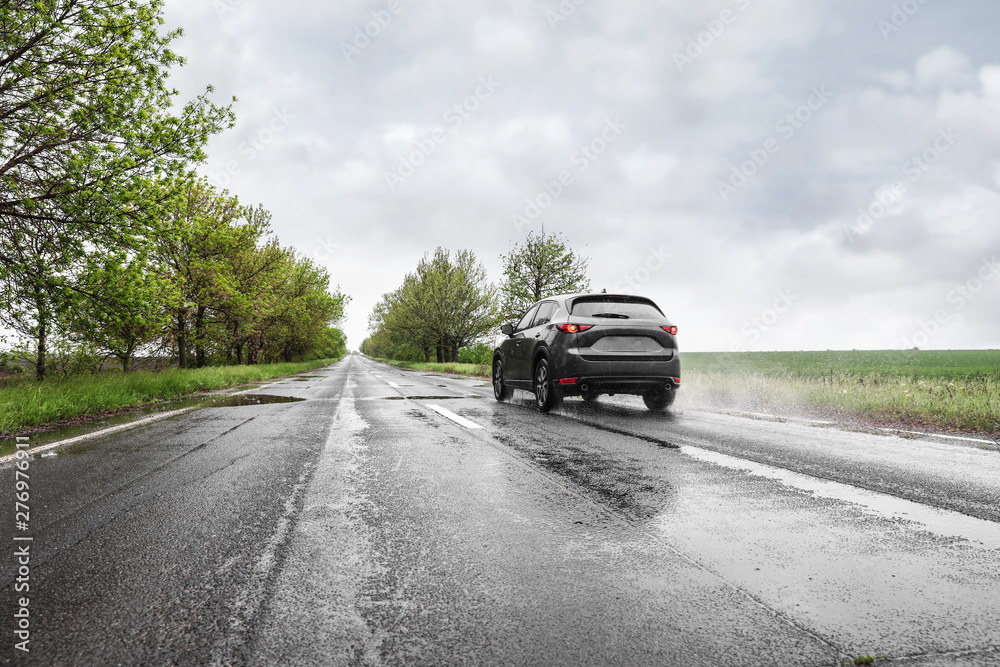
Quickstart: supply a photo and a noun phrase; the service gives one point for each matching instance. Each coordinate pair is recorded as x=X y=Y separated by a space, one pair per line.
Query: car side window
x=544 y=314
x=526 y=320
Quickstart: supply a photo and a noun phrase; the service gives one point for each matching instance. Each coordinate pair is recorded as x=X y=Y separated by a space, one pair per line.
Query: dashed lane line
x=462 y=421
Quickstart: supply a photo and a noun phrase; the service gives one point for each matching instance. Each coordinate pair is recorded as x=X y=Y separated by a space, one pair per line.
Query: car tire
x=500 y=390
x=546 y=395
x=658 y=399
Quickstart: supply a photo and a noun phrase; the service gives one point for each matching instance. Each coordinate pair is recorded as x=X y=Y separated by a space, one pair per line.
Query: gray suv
x=588 y=345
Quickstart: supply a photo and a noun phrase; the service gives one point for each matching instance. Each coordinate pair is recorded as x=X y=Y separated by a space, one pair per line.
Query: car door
x=517 y=348
x=534 y=334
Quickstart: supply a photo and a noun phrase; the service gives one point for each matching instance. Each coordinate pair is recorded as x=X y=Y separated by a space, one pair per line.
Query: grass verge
x=25 y=404
x=478 y=370
x=941 y=390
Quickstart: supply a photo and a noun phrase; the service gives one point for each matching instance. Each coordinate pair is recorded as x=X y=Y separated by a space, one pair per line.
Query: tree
x=87 y=129
x=469 y=307
x=542 y=267
x=445 y=304
x=36 y=308
x=128 y=309
x=195 y=244
x=302 y=313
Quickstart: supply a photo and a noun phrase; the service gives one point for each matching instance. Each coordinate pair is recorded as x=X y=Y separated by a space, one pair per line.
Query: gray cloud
x=354 y=113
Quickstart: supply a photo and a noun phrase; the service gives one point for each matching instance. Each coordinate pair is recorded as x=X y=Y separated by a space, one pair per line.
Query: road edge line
x=96 y=434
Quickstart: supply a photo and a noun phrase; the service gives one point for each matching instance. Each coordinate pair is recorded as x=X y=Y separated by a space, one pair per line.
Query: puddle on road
x=242 y=400
x=939 y=521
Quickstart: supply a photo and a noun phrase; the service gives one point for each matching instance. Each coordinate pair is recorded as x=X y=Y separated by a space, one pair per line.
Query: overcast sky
x=716 y=156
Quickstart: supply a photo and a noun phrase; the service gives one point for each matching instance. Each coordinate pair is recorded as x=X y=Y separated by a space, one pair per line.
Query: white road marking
x=881 y=428
x=938 y=435
x=940 y=521
x=95 y=434
x=452 y=416
x=394 y=385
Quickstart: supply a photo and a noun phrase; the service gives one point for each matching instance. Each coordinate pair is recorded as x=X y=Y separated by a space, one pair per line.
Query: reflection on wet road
x=397 y=517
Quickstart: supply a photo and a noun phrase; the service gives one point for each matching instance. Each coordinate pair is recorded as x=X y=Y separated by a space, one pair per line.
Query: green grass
x=859 y=363
x=481 y=370
x=949 y=390
x=25 y=404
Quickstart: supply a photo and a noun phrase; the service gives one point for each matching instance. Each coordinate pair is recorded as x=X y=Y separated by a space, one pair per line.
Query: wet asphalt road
x=366 y=526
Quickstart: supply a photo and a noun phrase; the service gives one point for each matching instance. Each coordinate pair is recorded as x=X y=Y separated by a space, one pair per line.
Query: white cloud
x=324 y=175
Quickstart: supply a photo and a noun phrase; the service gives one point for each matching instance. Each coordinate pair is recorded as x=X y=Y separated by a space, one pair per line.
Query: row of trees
x=212 y=286
x=448 y=306
x=109 y=245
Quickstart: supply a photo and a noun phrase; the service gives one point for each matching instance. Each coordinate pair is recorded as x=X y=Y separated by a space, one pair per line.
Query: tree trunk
x=199 y=337
x=239 y=354
x=454 y=353
x=41 y=351
x=182 y=339
x=427 y=355
x=440 y=354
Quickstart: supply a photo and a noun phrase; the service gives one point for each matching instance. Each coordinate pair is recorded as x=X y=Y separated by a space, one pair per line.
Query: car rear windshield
x=616 y=307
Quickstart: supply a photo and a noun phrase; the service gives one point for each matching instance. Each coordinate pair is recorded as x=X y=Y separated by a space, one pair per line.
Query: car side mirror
x=507 y=329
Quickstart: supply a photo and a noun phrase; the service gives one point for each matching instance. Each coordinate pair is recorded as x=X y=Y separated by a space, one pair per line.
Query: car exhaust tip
x=584 y=387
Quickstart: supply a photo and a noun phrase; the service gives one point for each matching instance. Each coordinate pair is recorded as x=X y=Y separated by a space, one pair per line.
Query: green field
x=952 y=390
x=914 y=364
x=26 y=403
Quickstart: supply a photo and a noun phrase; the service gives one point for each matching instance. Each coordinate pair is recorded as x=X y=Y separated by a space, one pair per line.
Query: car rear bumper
x=618 y=376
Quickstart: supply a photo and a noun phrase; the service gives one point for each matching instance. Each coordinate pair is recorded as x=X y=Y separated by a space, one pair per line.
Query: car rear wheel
x=658 y=399
x=500 y=391
x=545 y=393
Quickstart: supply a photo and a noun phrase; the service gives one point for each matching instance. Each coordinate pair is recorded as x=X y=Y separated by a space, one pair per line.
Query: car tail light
x=574 y=328
x=568 y=380
x=676 y=380
x=670 y=330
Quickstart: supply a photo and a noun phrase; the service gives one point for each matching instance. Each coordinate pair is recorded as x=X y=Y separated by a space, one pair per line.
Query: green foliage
x=125 y=308
x=542 y=266
x=63 y=357
x=240 y=297
x=108 y=244
x=480 y=353
x=443 y=305
x=88 y=131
